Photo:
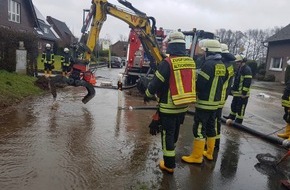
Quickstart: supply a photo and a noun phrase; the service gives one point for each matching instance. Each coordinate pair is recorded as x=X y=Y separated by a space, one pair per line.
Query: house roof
x=33 y=13
x=46 y=31
x=283 y=34
x=61 y=27
x=120 y=42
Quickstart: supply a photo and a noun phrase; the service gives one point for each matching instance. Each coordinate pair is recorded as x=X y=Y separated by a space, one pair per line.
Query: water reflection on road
x=69 y=145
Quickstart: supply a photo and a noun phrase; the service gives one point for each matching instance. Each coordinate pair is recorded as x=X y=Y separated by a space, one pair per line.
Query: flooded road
x=70 y=145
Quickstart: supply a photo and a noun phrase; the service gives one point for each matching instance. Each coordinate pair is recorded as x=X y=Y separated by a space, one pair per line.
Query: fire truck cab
x=138 y=62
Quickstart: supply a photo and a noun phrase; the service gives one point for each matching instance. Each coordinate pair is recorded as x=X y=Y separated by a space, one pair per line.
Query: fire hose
x=275 y=140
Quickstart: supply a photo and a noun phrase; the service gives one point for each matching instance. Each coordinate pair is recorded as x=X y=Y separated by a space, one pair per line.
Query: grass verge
x=15 y=87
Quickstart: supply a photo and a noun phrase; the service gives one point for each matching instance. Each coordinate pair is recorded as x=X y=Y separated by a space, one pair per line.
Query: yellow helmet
x=210 y=45
x=225 y=48
x=176 y=37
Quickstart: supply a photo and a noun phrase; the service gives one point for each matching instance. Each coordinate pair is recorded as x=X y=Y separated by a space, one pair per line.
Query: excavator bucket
x=91 y=92
x=60 y=81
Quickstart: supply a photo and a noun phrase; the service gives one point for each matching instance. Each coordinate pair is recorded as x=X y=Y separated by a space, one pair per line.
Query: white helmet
x=240 y=58
x=66 y=50
x=176 y=37
x=210 y=45
x=48 y=46
x=225 y=48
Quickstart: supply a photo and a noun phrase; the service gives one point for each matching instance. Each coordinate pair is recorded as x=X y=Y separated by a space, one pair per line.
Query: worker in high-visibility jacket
x=286 y=105
x=48 y=60
x=65 y=62
x=228 y=60
x=240 y=90
x=208 y=87
x=174 y=82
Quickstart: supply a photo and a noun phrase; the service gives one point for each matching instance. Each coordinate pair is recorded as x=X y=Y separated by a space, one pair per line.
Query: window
x=276 y=64
x=45 y=30
x=13 y=11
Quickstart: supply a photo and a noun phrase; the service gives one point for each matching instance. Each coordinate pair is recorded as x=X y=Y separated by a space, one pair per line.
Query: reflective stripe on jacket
x=47 y=57
x=182 y=80
x=65 y=60
x=242 y=81
x=160 y=85
x=227 y=83
x=286 y=95
x=209 y=83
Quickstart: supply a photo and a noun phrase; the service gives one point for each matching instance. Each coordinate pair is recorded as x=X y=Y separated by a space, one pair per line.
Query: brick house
x=19 y=15
x=119 y=48
x=45 y=32
x=66 y=37
x=278 y=53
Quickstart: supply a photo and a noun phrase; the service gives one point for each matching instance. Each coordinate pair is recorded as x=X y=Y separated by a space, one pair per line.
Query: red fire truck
x=137 y=60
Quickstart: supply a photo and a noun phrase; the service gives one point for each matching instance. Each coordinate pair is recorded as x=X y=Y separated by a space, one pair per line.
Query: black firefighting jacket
x=210 y=82
x=242 y=81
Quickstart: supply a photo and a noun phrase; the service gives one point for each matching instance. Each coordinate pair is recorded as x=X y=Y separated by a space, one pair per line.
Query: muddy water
x=68 y=145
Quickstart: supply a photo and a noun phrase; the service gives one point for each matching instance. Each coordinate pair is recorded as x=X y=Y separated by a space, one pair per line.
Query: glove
x=147 y=99
x=154 y=125
x=142 y=84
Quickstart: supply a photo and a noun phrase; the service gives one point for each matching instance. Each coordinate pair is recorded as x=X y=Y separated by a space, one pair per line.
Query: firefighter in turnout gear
x=240 y=90
x=286 y=105
x=48 y=60
x=209 y=88
x=228 y=60
x=65 y=62
x=174 y=82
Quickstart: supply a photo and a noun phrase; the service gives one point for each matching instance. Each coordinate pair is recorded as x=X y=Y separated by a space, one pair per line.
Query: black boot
x=217 y=144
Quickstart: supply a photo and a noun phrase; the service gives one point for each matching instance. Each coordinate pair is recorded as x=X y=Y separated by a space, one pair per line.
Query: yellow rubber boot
x=163 y=167
x=210 y=143
x=196 y=154
x=286 y=134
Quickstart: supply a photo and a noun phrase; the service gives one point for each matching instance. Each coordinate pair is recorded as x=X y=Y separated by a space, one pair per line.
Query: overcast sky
x=174 y=14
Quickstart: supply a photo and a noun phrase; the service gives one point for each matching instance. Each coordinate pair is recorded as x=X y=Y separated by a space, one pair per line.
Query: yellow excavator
x=136 y=19
x=80 y=74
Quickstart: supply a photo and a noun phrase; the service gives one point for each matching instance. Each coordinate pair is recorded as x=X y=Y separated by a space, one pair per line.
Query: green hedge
x=10 y=43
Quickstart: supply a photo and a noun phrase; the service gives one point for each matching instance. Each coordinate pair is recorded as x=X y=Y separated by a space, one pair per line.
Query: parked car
x=116 y=62
x=124 y=60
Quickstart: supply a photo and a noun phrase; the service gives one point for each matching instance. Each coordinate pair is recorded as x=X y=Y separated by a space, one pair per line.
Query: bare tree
x=123 y=38
x=251 y=43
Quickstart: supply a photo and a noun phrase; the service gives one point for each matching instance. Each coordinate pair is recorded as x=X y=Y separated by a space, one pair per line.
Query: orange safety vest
x=182 y=80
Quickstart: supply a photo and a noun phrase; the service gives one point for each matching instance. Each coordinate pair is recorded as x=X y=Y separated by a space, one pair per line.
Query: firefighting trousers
x=238 y=108
x=286 y=115
x=204 y=123
x=170 y=125
x=48 y=67
x=218 y=122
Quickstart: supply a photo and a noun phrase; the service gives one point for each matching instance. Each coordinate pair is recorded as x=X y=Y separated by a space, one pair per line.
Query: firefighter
x=240 y=90
x=48 y=60
x=65 y=62
x=208 y=87
x=174 y=82
x=286 y=105
x=227 y=59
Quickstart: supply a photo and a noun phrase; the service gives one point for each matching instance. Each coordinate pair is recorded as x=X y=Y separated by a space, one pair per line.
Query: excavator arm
x=133 y=17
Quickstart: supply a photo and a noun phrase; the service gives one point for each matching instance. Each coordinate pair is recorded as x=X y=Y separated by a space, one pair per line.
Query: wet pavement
x=69 y=145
